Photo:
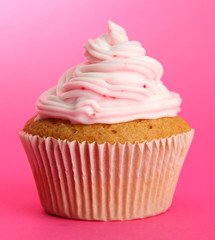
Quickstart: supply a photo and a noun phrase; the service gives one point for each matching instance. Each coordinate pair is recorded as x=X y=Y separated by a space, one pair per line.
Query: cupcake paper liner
x=92 y=181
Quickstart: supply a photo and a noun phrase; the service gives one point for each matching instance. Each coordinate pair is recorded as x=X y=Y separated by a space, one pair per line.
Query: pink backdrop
x=41 y=39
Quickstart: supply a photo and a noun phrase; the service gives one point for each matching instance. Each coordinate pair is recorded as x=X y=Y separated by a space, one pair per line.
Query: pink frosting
x=117 y=84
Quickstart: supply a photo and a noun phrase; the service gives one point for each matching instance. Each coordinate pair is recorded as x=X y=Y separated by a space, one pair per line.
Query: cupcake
x=107 y=142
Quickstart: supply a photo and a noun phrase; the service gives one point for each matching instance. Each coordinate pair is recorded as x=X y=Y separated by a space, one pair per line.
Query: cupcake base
x=91 y=181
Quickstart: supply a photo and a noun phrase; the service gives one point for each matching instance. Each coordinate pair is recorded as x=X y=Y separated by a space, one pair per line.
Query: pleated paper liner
x=91 y=181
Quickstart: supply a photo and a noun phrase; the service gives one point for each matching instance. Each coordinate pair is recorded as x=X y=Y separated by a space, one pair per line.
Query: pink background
x=41 y=39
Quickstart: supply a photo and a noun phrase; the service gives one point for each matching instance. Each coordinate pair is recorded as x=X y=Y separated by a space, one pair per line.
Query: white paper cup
x=92 y=181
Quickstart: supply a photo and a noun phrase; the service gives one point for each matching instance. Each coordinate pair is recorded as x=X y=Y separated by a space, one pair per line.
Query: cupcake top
x=117 y=84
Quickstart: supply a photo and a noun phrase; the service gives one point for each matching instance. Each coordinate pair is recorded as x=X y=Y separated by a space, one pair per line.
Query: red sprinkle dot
x=144 y=86
x=83 y=88
x=104 y=95
x=114 y=55
x=93 y=114
x=113 y=97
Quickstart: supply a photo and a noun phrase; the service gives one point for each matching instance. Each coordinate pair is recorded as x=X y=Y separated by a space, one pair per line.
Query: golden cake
x=134 y=131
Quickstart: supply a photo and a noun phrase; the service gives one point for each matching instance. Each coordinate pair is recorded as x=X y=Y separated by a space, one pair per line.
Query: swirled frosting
x=118 y=83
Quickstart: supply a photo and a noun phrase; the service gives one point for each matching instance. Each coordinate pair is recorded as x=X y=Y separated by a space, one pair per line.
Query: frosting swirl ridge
x=118 y=83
